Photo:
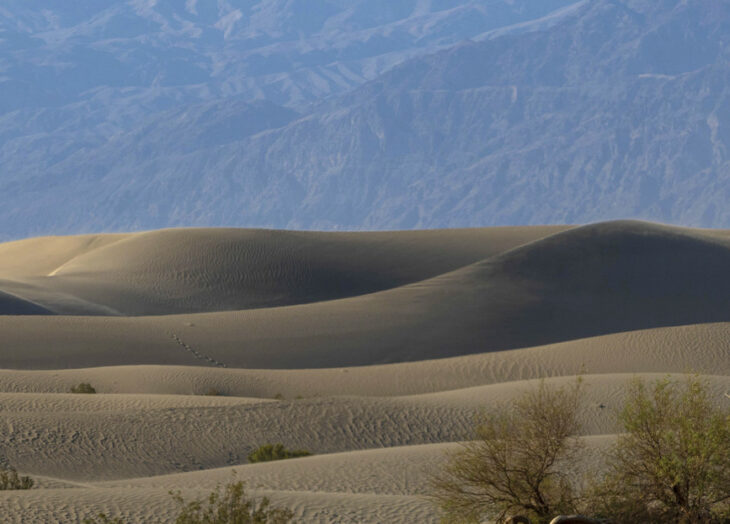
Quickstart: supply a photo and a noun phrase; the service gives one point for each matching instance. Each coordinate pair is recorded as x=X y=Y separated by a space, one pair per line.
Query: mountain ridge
x=586 y=118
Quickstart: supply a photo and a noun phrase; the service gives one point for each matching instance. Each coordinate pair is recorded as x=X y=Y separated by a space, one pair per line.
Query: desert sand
x=374 y=351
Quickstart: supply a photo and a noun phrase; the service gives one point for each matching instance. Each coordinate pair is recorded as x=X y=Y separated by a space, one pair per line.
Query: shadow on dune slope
x=12 y=305
x=611 y=277
x=204 y=270
x=587 y=281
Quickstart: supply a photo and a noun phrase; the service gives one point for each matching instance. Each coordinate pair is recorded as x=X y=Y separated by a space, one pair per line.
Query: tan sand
x=98 y=438
x=701 y=348
x=156 y=505
x=551 y=290
x=393 y=340
x=195 y=270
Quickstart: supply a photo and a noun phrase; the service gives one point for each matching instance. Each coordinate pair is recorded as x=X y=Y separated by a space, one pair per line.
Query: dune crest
x=549 y=290
x=176 y=271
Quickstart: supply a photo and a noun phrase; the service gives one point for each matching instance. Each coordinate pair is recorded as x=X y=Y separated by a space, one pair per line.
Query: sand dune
x=194 y=270
x=41 y=256
x=551 y=290
x=382 y=485
x=156 y=505
x=701 y=348
x=372 y=485
x=13 y=305
x=396 y=471
x=383 y=346
x=99 y=438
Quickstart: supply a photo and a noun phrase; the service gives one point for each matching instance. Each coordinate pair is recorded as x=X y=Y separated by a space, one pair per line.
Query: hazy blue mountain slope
x=616 y=108
x=164 y=52
x=74 y=76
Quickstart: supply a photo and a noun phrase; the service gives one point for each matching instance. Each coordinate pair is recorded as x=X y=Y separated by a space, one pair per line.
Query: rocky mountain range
x=361 y=114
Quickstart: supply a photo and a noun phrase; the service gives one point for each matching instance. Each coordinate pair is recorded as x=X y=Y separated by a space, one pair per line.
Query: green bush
x=672 y=464
x=84 y=387
x=9 y=479
x=269 y=452
x=230 y=506
x=516 y=463
x=102 y=518
x=227 y=505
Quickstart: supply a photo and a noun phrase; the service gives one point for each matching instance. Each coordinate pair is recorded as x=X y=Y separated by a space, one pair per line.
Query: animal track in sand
x=196 y=353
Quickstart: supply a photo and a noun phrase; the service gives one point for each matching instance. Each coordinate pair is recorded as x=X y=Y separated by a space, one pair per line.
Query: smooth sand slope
x=201 y=270
x=583 y=282
x=13 y=305
x=700 y=348
x=383 y=346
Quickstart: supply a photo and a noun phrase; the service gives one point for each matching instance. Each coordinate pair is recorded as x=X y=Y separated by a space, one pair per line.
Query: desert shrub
x=278 y=396
x=9 y=479
x=225 y=505
x=102 y=518
x=672 y=464
x=269 y=452
x=212 y=392
x=513 y=465
x=230 y=505
x=84 y=387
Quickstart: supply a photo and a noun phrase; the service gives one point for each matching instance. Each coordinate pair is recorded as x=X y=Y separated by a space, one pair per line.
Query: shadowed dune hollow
x=383 y=346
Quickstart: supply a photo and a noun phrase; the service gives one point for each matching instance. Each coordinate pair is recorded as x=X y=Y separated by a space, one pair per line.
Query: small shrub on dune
x=269 y=452
x=84 y=387
x=230 y=505
x=102 y=518
x=212 y=392
x=225 y=505
x=9 y=480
